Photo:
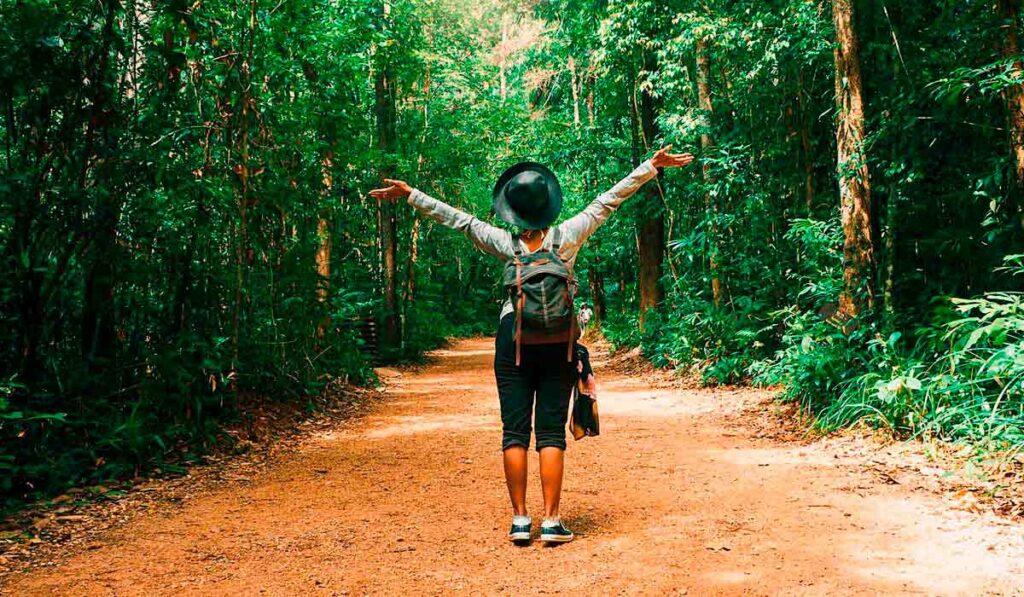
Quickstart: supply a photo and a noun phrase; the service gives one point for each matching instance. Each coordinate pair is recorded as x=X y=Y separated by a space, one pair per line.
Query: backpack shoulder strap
x=517 y=247
x=556 y=239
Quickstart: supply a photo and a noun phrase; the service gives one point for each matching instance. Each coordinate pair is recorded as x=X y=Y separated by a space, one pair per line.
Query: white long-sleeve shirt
x=574 y=231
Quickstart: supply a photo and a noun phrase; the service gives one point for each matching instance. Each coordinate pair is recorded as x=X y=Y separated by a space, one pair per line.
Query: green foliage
x=818 y=359
x=761 y=217
x=963 y=380
x=173 y=175
x=960 y=380
x=167 y=171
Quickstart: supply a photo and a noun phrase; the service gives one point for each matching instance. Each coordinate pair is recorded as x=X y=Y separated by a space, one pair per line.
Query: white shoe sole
x=556 y=538
x=519 y=536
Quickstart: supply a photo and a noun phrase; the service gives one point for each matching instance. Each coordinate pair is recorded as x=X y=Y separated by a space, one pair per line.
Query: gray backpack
x=542 y=287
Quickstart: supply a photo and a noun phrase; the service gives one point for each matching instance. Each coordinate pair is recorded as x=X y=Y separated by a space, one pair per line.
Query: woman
x=529 y=197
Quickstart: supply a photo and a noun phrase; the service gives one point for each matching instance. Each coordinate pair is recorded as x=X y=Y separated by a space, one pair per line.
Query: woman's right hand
x=663 y=159
x=397 y=190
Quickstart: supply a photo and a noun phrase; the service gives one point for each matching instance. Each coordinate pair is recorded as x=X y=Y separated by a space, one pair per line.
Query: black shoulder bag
x=584 y=420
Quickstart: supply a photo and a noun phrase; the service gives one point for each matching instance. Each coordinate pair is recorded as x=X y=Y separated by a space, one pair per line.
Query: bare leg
x=552 y=463
x=515 y=478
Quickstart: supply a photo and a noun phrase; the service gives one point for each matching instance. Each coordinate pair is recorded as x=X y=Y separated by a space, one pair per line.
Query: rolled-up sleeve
x=578 y=228
x=489 y=239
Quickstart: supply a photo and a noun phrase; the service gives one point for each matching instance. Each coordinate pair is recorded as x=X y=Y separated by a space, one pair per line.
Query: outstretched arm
x=489 y=239
x=578 y=228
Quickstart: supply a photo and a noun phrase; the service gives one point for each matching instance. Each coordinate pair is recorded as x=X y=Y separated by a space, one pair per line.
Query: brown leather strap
x=571 y=289
x=572 y=319
x=516 y=248
x=519 y=310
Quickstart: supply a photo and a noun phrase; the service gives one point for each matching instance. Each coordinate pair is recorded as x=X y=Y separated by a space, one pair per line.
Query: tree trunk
x=98 y=332
x=31 y=315
x=1009 y=10
x=575 y=83
x=634 y=119
x=651 y=231
x=706 y=142
x=592 y=81
x=889 y=259
x=243 y=253
x=98 y=326
x=503 y=59
x=323 y=248
x=888 y=212
x=323 y=270
x=391 y=336
x=323 y=235
x=854 y=182
x=596 y=282
x=410 y=272
x=805 y=145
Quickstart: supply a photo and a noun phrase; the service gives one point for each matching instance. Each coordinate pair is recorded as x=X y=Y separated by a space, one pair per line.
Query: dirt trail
x=678 y=496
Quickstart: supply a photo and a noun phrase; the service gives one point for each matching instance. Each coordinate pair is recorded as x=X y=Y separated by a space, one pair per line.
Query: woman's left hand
x=664 y=159
x=397 y=190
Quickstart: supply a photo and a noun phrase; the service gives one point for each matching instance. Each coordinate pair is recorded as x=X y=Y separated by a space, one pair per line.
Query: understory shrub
x=961 y=378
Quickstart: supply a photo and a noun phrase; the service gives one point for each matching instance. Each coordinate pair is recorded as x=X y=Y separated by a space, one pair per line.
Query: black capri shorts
x=539 y=388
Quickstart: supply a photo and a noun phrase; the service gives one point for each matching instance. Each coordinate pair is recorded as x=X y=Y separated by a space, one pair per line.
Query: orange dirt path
x=681 y=494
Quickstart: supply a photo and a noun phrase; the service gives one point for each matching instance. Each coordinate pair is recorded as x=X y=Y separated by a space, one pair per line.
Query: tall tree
x=387 y=219
x=98 y=334
x=706 y=142
x=651 y=228
x=1009 y=11
x=323 y=249
x=854 y=182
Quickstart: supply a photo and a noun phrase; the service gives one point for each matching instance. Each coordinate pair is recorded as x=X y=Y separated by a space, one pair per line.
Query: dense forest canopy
x=184 y=213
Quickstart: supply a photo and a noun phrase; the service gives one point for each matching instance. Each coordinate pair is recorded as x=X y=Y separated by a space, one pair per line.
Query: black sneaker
x=520 y=532
x=556 y=534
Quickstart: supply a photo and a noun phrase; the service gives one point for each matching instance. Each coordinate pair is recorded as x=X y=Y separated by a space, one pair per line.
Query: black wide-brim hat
x=528 y=195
